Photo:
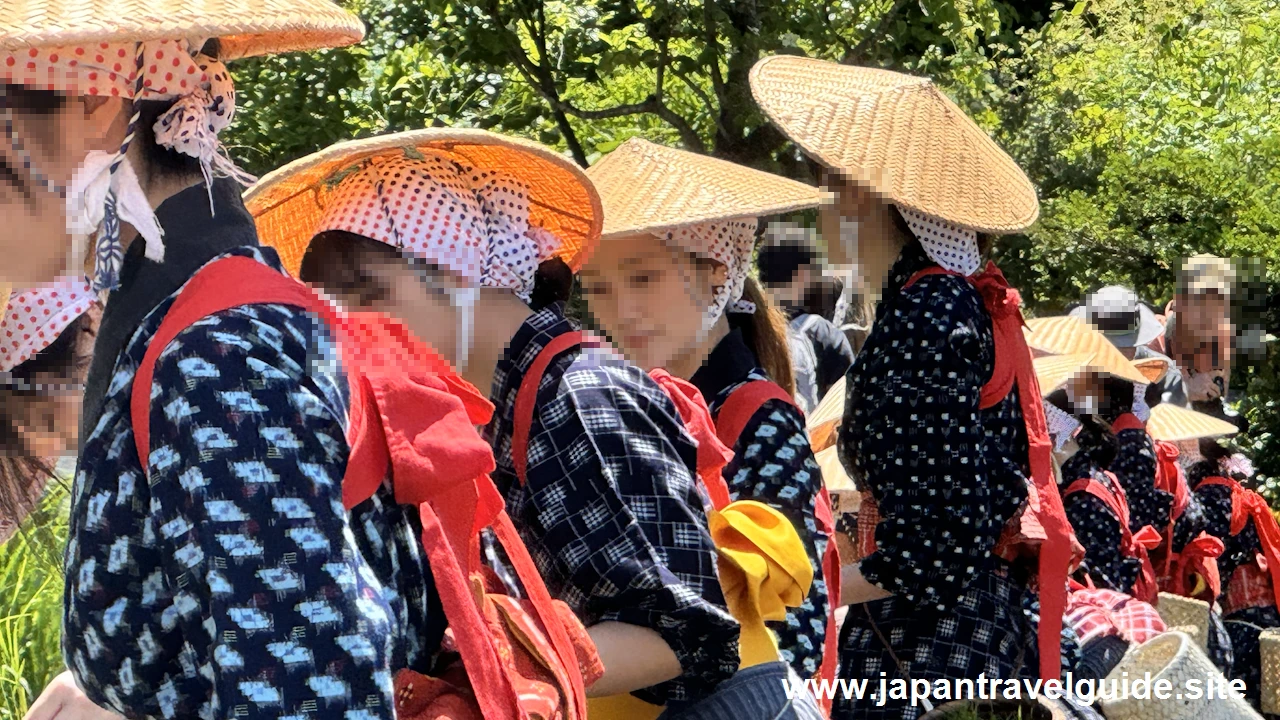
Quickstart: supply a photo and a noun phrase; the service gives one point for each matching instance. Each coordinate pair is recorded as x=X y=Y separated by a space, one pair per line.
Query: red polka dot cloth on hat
x=729 y=243
x=100 y=195
x=35 y=318
x=469 y=221
x=951 y=246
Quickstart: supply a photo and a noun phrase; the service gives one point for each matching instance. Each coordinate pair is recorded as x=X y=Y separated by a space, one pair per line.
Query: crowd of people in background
x=343 y=450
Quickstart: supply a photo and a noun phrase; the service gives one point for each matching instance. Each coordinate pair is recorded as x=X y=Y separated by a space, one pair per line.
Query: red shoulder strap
x=1248 y=505
x=527 y=397
x=742 y=404
x=737 y=410
x=221 y=285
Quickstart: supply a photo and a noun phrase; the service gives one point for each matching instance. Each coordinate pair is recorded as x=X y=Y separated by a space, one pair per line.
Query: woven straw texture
x=824 y=420
x=647 y=188
x=246 y=27
x=1179 y=611
x=1066 y=335
x=1173 y=423
x=833 y=474
x=1053 y=371
x=900 y=136
x=5 y=290
x=1270 y=645
x=1174 y=657
x=1039 y=708
x=289 y=203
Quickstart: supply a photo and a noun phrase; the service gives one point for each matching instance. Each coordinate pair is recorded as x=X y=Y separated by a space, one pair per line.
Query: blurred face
x=414 y=295
x=650 y=299
x=46 y=410
x=858 y=226
x=1204 y=336
x=57 y=135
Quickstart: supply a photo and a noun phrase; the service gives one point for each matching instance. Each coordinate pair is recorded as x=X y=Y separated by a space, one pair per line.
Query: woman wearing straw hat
x=472 y=239
x=46 y=339
x=226 y=579
x=1249 y=567
x=670 y=285
x=942 y=416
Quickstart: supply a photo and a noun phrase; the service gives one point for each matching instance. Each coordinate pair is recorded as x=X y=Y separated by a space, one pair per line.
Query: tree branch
x=712 y=38
x=540 y=77
x=858 y=50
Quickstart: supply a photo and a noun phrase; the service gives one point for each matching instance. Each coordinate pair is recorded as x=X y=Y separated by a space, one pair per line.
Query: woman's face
x=47 y=415
x=414 y=295
x=650 y=299
x=35 y=243
x=858 y=226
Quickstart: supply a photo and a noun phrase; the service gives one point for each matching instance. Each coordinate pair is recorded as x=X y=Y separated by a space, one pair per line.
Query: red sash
x=1248 y=505
x=1136 y=545
x=410 y=413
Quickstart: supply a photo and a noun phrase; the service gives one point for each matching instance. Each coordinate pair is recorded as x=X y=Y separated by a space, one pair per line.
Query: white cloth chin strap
x=464 y=300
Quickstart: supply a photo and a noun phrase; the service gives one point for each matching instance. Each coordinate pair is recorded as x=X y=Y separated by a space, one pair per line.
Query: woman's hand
x=63 y=700
x=855 y=589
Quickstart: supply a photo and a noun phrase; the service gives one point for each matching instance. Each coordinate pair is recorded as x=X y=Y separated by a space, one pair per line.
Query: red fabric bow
x=1200 y=557
x=1247 y=505
x=712 y=453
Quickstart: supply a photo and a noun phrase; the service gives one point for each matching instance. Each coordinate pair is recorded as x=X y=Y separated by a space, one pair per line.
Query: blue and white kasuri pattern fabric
x=231 y=582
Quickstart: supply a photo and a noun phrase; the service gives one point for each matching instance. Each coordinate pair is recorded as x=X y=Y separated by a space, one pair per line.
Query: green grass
x=31 y=605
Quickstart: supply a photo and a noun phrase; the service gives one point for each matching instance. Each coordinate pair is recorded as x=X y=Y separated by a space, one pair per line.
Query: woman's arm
x=634 y=657
x=63 y=700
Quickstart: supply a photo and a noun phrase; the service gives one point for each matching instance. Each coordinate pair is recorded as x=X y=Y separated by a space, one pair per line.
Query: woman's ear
x=104 y=123
x=719 y=274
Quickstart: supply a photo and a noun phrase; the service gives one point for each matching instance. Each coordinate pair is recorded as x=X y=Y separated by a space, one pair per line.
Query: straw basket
x=1184 y=612
x=1173 y=657
x=1025 y=709
x=1270 y=649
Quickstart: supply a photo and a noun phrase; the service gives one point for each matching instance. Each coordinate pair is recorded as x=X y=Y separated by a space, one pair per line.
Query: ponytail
x=765 y=332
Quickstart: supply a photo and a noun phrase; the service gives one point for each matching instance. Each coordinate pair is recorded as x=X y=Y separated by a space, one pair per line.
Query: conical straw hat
x=647 y=188
x=245 y=27
x=1173 y=657
x=5 y=291
x=898 y=135
x=1067 y=335
x=1053 y=371
x=824 y=419
x=289 y=203
x=1174 y=423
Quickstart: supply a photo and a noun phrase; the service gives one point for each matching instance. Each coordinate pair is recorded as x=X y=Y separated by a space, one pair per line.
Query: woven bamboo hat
x=900 y=136
x=1175 y=657
x=5 y=290
x=245 y=27
x=823 y=422
x=289 y=203
x=648 y=188
x=1053 y=371
x=1067 y=335
x=1174 y=423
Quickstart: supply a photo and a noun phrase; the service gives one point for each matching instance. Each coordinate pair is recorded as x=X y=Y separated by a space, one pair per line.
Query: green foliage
x=31 y=605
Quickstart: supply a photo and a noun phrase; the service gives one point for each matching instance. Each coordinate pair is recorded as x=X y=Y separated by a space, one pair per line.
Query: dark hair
x=1096 y=439
x=786 y=249
x=765 y=332
x=339 y=261
x=822 y=296
x=552 y=283
x=1117 y=398
x=19 y=471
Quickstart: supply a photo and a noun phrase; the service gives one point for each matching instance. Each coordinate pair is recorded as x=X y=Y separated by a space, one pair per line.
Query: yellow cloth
x=763 y=571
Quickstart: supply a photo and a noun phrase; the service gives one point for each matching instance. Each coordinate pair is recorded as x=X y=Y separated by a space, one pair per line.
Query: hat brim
x=898 y=135
x=1149 y=327
x=289 y=203
x=246 y=28
x=651 y=189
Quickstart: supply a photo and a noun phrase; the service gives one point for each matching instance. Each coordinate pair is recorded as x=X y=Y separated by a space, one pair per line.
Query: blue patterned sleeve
x=774 y=464
x=278 y=613
x=1098 y=531
x=924 y=449
x=612 y=498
